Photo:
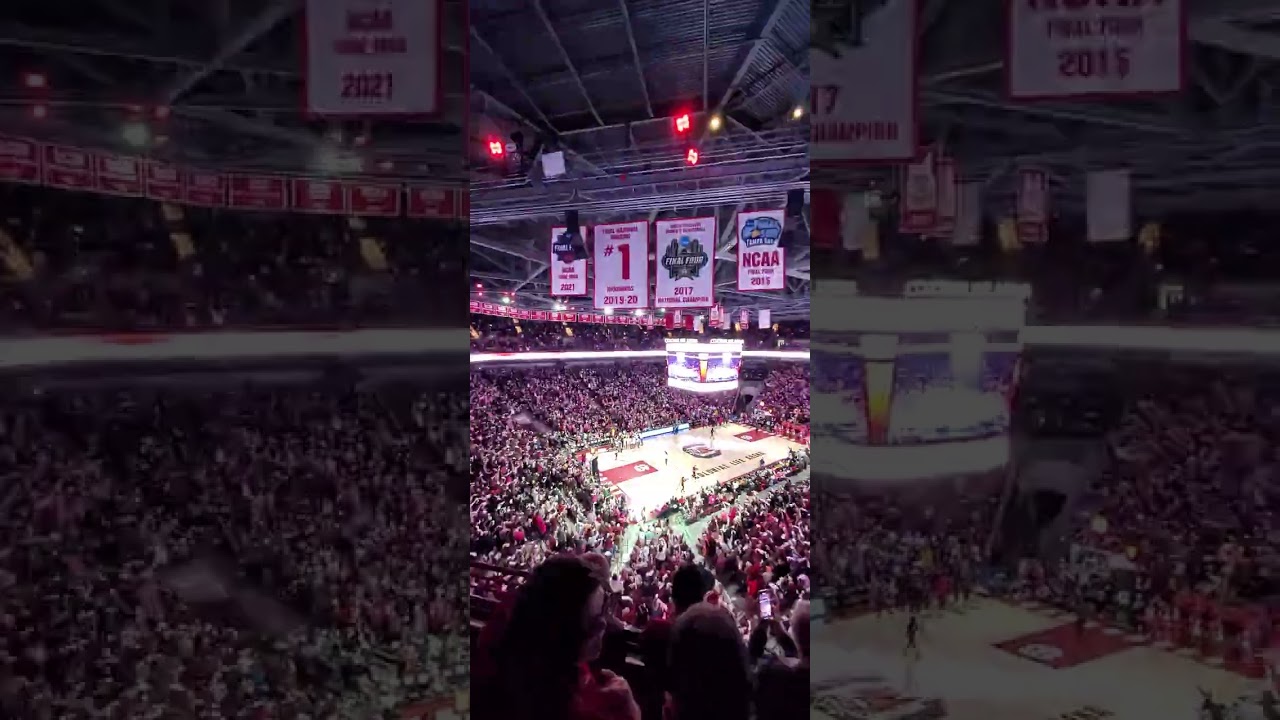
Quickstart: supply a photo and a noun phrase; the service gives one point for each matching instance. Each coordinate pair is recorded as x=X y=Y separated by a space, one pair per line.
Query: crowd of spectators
x=72 y=261
x=282 y=551
x=1185 y=507
x=907 y=547
x=785 y=398
x=499 y=334
x=536 y=509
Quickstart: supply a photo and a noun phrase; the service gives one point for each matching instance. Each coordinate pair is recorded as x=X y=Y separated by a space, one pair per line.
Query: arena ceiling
x=601 y=80
x=228 y=70
x=1217 y=146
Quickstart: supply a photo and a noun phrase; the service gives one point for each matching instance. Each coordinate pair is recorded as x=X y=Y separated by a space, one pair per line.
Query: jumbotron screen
x=706 y=367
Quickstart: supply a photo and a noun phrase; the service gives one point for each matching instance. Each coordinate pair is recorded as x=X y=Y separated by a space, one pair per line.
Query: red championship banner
x=258 y=192
x=919 y=211
x=568 y=272
x=68 y=168
x=319 y=196
x=374 y=200
x=620 y=260
x=121 y=175
x=208 y=189
x=366 y=58
x=1033 y=206
x=20 y=160
x=824 y=218
x=1078 y=48
x=164 y=182
x=57 y=166
x=762 y=262
x=862 y=98
x=435 y=203
x=947 y=197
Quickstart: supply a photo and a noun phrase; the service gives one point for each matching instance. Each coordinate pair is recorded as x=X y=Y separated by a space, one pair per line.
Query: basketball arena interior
x=640 y=339
x=998 y=298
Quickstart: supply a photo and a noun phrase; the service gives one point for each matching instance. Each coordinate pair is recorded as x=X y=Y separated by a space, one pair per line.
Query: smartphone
x=766 y=605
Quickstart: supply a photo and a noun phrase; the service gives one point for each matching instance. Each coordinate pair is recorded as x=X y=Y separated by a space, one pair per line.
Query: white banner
x=855 y=216
x=685 y=262
x=1069 y=48
x=968 y=227
x=1108 y=200
x=761 y=262
x=1033 y=206
x=373 y=58
x=621 y=264
x=744 y=318
x=765 y=323
x=946 y=180
x=862 y=97
x=919 y=210
x=568 y=276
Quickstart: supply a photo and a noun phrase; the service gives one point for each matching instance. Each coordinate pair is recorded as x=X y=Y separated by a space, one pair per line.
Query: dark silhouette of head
x=710 y=674
x=556 y=624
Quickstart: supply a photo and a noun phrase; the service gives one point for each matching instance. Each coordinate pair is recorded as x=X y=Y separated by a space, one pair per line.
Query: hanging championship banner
x=855 y=217
x=568 y=274
x=1033 y=206
x=744 y=318
x=863 y=98
x=764 y=317
x=824 y=218
x=1069 y=48
x=685 y=263
x=968 y=226
x=379 y=58
x=946 y=179
x=761 y=261
x=1108 y=201
x=919 y=211
x=621 y=264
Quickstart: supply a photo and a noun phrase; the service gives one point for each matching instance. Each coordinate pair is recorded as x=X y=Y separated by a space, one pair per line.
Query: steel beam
x=635 y=55
x=564 y=55
x=259 y=26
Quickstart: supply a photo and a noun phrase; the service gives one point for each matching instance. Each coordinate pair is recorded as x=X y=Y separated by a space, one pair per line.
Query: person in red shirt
x=540 y=659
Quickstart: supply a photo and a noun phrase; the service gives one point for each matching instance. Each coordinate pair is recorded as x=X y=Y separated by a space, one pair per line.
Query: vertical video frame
x=639 y=319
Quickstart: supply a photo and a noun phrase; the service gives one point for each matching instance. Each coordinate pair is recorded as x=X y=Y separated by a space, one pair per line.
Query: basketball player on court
x=913 y=633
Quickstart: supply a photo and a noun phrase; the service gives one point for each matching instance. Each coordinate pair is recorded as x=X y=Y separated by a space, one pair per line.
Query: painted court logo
x=701 y=451
x=871 y=698
x=1041 y=653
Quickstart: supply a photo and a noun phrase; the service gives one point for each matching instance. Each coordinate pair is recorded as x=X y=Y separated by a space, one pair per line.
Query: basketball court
x=989 y=660
x=650 y=474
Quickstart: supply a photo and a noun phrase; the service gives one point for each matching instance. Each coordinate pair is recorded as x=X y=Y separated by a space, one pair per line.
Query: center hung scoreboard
x=703 y=366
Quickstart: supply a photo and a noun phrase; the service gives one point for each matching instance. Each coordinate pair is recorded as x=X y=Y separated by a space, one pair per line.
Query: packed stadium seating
x=264 y=550
x=534 y=504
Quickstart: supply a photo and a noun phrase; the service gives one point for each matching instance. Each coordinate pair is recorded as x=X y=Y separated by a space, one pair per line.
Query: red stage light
x=683 y=123
x=691 y=157
x=496 y=148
